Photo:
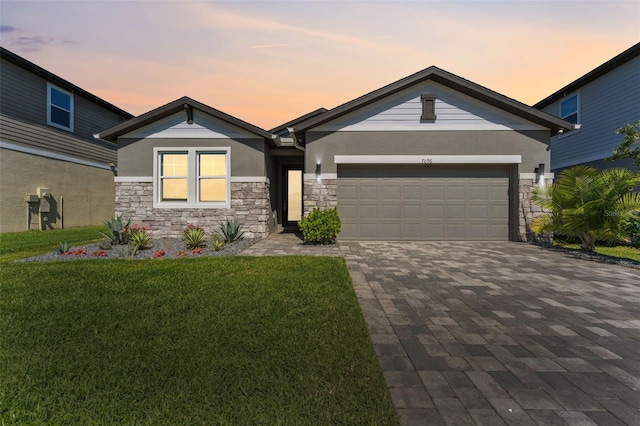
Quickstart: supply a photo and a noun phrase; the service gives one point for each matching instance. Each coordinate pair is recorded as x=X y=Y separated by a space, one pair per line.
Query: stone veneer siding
x=320 y=194
x=323 y=195
x=527 y=212
x=250 y=205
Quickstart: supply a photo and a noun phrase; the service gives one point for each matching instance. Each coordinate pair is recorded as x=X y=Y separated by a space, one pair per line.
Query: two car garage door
x=423 y=203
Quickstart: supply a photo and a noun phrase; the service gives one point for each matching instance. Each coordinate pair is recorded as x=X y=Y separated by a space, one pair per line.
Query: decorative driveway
x=496 y=333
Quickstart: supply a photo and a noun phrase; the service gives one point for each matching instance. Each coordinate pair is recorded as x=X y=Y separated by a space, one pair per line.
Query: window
x=428 y=107
x=191 y=177
x=569 y=109
x=59 y=108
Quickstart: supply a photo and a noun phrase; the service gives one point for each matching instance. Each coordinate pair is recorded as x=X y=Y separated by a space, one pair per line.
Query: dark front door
x=292 y=195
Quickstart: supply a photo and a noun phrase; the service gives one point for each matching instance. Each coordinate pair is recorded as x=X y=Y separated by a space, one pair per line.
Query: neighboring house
x=599 y=103
x=53 y=172
x=430 y=157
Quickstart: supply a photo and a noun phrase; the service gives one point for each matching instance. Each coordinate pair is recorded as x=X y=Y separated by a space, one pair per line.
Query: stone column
x=528 y=212
x=319 y=193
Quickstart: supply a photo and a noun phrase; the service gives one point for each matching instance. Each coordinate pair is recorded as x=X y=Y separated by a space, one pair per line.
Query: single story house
x=429 y=157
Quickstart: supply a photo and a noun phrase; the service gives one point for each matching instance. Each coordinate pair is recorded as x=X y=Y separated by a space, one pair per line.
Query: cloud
x=8 y=29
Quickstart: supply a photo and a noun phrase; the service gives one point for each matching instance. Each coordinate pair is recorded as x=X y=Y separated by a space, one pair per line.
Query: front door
x=292 y=196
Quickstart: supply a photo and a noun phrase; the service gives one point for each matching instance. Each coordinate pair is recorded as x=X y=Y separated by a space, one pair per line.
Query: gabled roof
x=171 y=108
x=281 y=130
x=59 y=81
x=598 y=72
x=446 y=79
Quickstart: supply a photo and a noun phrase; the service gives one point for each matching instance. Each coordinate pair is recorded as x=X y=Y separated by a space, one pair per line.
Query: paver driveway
x=499 y=333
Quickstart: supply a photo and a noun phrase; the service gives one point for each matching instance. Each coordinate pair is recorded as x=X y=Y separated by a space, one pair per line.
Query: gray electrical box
x=45 y=206
x=31 y=198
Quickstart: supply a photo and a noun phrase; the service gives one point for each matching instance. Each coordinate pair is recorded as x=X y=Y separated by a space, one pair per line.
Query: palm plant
x=588 y=204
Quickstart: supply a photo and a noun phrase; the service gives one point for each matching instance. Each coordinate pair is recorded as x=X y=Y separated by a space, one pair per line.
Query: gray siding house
x=47 y=150
x=430 y=157
x=599 y=102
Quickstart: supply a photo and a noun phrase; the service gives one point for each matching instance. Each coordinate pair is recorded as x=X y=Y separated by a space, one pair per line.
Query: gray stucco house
x=429 y=157
x=53 y=172
x=598 y=103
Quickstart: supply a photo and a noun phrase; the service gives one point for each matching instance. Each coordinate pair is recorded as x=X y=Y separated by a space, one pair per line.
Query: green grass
x=16 y=245
x=623 y=252
x=232 y=340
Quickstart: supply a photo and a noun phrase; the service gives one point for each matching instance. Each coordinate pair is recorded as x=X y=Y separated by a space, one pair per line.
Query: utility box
x=45 y=205
x=31 y=198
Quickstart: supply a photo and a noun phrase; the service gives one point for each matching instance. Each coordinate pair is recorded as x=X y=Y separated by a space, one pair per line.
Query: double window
x=59 y=108
x=569 y=109
x=192 y=177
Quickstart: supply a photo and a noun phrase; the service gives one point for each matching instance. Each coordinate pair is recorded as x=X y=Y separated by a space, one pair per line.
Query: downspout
x=296 y=144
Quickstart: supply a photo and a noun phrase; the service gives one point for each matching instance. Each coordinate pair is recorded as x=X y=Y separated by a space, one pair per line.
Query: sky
x=269 y=62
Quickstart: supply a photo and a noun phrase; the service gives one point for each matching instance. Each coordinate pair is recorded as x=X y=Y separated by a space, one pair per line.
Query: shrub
x=99 y=253
x=140 y=238
x=63 y=247
x=194 y=237
x=231 y=230
x=631 y=228
x=158 y=253
x=116 y=230
x=320 y=227
x=217 y=242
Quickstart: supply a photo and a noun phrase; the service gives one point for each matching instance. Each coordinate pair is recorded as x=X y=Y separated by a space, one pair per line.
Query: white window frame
x=49 y=105
x=192 y=178
x=566 y=98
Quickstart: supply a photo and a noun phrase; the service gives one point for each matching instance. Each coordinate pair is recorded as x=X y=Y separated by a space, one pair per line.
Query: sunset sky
x=268 y=62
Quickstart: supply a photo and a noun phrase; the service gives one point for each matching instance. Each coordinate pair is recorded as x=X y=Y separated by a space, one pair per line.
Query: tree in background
x=588 y=204
x=630 y=146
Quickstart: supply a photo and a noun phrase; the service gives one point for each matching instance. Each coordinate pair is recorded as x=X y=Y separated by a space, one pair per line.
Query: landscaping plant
x=194 y=237
x=63 y=247
x=631 y=228
x=139 y=237
x=117 y=230
x=320 y=227
x=231 y=230
x=217 y=242
x=588 y=204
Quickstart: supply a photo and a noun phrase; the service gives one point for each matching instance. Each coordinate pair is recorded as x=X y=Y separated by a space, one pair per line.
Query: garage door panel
x=424 y=203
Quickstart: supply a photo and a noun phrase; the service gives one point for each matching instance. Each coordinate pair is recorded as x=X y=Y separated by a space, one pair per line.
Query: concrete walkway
x=495 y=333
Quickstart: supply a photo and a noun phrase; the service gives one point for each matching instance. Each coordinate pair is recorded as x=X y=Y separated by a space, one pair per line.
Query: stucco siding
x=88 y=193
x=323 y=146
x=605 y=105
x=135 y=157
x=402 y=112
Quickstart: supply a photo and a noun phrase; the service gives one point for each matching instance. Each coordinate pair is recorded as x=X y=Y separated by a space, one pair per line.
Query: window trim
x=565 y=99
x=430 y=114
x=49 y=105
x=192 y=178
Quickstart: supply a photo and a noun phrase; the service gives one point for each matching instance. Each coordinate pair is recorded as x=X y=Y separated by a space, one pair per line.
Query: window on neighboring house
x=569 y=109
x=191 y=178
x=59 y=108
x=428 y=107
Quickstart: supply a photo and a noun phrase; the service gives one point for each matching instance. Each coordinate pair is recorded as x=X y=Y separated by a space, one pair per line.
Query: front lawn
x=232 y=340
x=16 y=245
x=622 y=252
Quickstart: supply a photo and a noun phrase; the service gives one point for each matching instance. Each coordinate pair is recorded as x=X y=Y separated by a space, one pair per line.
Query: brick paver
x=495 y=333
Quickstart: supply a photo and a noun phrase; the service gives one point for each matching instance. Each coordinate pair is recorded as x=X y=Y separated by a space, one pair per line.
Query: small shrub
x=158 y=253
x=231 y=230
x=217 y=242
x=631 y=227
x=181 y=253
x=80 y=252
x=196 y=251
x=320 y=227
x=194 y=237
x=128 y=251
x=139 y=237
x=63 y=247
x=99 y=253
x=105 y=245
x=116 y=230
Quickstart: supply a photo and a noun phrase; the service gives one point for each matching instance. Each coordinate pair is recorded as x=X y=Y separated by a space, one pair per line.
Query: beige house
x=53 y=172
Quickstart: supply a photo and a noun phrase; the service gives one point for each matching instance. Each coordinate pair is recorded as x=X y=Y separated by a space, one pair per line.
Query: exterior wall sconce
x=318 y=171
x=539 y=171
